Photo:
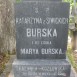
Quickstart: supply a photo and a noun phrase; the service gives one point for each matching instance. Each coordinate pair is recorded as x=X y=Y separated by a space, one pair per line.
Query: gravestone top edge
x=40 y=0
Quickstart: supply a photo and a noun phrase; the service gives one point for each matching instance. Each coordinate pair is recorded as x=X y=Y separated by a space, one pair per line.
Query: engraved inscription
x=48 y=20
x=41 y=32
x=43 y=51
x=42 y=70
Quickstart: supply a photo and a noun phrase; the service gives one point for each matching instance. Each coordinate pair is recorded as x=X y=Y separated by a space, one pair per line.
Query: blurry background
x=7 y=26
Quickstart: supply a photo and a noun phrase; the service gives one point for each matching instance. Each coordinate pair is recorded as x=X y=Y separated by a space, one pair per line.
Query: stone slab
x=41 y=68
x=41 y=29
x=12 y=74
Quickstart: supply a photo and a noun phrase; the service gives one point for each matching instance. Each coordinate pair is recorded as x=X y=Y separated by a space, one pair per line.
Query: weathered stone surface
x=41 y=68
x=41 y=29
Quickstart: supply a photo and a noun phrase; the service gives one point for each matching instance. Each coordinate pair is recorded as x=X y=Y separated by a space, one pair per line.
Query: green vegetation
x=72 y=20
x=72 y=58
x=70 y=1
x=18 y=1
x=3 y=59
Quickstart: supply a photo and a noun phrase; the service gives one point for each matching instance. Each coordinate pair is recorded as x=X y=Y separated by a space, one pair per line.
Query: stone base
x=41 y=68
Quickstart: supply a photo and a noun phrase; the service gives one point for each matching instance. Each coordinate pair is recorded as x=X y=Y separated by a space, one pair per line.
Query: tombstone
x=41 y=39
x=40 y=30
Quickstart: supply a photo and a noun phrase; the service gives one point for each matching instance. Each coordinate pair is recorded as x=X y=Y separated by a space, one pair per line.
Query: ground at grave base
x=35 y=62
x=72 y=55
x=73 y=73
x=8 y=67
x=75 y=59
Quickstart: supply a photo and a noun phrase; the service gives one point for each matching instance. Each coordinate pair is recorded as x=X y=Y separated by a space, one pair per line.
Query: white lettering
x=48 y=20
x=51 y=51
x=28 y=32
x=29 y=51
x=37 y=32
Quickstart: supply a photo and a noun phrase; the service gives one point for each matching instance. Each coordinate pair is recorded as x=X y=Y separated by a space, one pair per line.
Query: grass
x=3 y=60
x=18 y=1
x=72 y=58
